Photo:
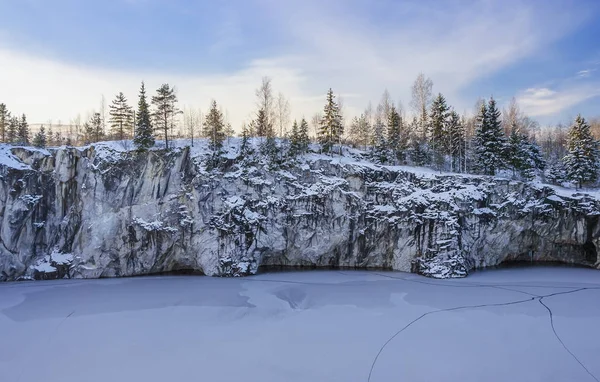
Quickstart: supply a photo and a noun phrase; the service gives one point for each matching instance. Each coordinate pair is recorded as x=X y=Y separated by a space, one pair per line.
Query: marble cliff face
x=100 y=212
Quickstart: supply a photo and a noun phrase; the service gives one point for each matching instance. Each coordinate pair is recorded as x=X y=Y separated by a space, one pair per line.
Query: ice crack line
x=433 y=312
x=534 y=297
x=561 y=341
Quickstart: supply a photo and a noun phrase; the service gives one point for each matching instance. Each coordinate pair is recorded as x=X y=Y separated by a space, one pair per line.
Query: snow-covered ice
x=307 y=326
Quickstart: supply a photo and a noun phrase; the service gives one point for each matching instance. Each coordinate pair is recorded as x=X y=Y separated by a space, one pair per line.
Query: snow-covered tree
x=379 y=148
x=144 y=137
x=456 y=141
x=39 y=140
x=331 y=128
x=581 y=162
x=489 y=139
x=121 y=116
x=521 y=155
x=22 y=137
x=438 y=140
x=165 y=103
x=214 y=128
x=396 y=140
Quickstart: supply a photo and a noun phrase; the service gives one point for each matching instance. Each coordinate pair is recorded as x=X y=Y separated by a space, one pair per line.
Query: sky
x=58 y=58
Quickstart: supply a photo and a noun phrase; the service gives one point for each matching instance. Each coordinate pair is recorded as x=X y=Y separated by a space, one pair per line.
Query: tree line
x=437 y=136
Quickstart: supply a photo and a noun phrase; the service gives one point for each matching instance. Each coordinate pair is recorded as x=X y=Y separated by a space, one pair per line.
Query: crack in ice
x=534 y=297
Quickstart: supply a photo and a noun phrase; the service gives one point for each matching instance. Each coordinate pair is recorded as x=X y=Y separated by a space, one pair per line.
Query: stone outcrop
x=100 y=212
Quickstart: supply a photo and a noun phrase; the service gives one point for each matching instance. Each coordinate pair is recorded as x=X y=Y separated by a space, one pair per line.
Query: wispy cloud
x=347 y=45
x=539 y=102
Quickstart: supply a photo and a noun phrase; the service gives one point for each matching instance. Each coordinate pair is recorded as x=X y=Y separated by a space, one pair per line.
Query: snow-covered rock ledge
x=105 y=212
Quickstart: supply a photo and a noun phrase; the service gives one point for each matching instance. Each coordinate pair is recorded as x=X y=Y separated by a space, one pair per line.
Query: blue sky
x=59 y=57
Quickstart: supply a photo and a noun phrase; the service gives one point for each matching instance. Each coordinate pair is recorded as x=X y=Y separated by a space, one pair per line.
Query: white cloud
x=332 y=44
x=538 y=102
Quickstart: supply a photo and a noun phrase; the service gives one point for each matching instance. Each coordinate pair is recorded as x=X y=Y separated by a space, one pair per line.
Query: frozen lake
x=307 y=326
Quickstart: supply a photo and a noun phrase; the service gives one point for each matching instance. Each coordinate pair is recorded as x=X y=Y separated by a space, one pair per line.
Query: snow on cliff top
x=110 y=151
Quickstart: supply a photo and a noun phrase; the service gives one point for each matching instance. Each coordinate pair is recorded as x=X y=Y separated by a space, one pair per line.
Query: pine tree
x=331 y=129
x=40 y=138
x=120 y=117
x=13 y=130
x=456 y=140
x=214 y=128
x=489 y=139
x=581 y=162
x=4 y=121
x=396 y=140
x=165 y=102
x=23 y=131
x=144 y=138
x=438 y=130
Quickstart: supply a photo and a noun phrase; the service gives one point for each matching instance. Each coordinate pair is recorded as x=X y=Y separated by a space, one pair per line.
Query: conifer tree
x=379 y=151
x=93 y=129
x=395 y=140
x=456 y=140
x=303 y=139
x=39 y=140
x=294 y=139
x=13 y=129
x=4 y=121
x=49 y=136
x=581 y=162
x=23 y=131
x=438 y=130
x=245 y=148
x=489 y=139
x=144 y=137
x=262 y=125
x=331 y=128
x=214 y=128
x=165 y=103
x=120 y=117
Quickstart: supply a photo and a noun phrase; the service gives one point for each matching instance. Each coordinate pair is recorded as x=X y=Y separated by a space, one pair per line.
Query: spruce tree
x=331 y=129
x=120 y=117
x=214 y=128
x=49 y=136
x=456 y=141
x=380 y=145
x=144 y=137
x=39 y=140
x=303 y=139
x=13 y=129
x=396 y=141
x=262 y=125
x=23 y=131
x=489 y=139
x=581 y=162
x=438 y=120
x=245 y=149
x=4 y=121
x=165 y=103
x=294 y=139
x=93 y=129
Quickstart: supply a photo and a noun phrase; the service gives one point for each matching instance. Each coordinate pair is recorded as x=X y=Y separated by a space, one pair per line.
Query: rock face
x=101 y=212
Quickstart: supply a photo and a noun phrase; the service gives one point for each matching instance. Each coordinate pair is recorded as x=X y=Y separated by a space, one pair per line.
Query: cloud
x=352 y=46
x=538 y=102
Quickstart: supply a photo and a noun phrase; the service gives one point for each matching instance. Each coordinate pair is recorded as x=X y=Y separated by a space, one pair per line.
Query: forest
x=489 y=141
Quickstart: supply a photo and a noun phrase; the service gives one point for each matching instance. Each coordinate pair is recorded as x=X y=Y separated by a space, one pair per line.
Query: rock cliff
x=102 y=211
